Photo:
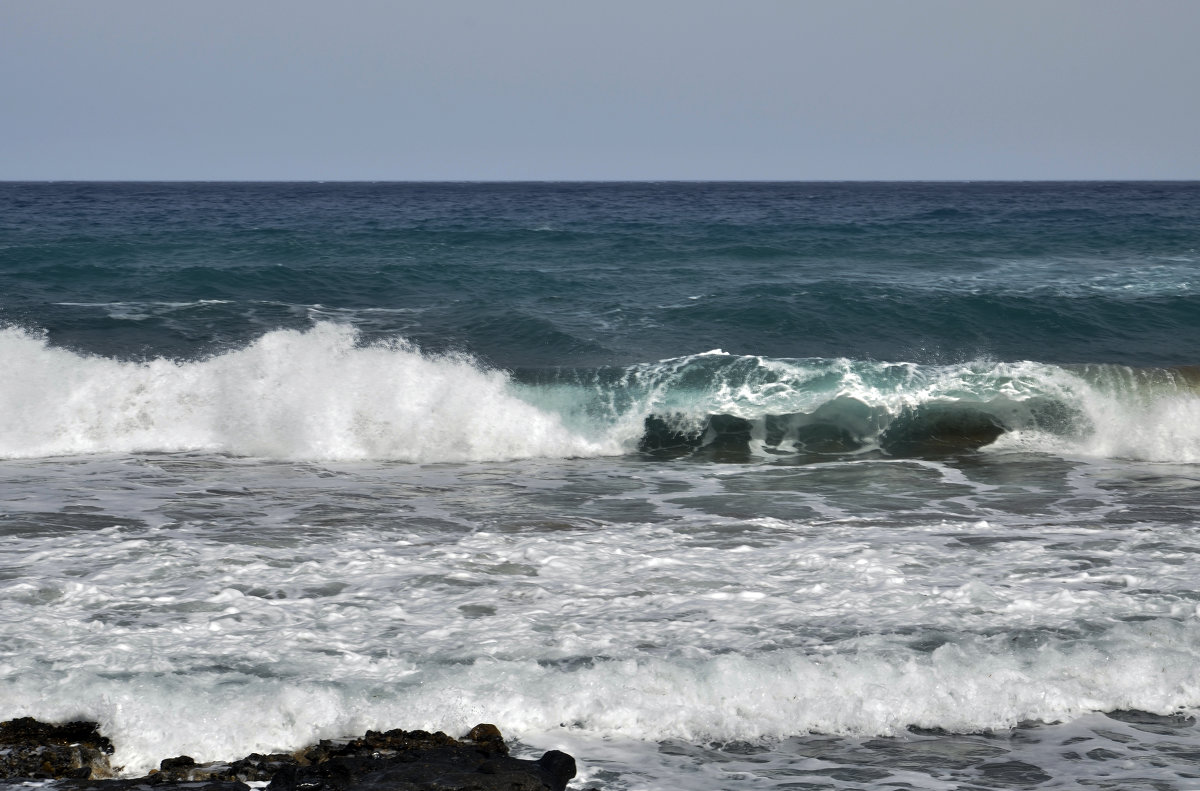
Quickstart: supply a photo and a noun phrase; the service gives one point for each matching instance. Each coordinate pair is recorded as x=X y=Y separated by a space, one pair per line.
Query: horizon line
x=603 y=181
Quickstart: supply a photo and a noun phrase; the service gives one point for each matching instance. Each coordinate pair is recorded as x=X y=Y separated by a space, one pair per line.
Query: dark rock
x=254 y=767
x=258 y=767
x=488 y=740
x=34 y=749
x=181 y=763
x=151 y=783
x=558 y=767
x=28 y=730
x=393 y=760
x=420 y=761
x=429 y=772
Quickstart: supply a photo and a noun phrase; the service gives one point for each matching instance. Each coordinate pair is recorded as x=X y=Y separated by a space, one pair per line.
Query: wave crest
x=325 y=394
x=737 y=408
x=292 y=395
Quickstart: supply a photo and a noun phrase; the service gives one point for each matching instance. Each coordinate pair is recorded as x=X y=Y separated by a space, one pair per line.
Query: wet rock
x=394 y=760
x=34 y=749
x=487 y=739
x=420 y=761
x=182 y=763
x=147 y=784
x=254 y=767
x=257 y=767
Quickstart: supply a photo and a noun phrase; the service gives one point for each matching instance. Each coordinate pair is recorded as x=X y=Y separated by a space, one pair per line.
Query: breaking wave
x=325 y=394
x=289 y=394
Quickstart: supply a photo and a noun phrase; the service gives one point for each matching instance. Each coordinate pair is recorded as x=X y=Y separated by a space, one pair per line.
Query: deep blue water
x=536 y=275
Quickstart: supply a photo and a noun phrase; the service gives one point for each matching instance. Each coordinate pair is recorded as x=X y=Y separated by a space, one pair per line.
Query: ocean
x=711 y=485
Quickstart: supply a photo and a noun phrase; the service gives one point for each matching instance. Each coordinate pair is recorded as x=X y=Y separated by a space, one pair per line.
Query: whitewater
x=710 y=486
x=322 y=394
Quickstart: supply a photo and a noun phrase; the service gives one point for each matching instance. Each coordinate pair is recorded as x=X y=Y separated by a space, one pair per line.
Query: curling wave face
x=325 y=394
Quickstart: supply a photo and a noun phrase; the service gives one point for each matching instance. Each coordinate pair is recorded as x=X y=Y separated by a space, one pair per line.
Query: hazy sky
x=533 y=89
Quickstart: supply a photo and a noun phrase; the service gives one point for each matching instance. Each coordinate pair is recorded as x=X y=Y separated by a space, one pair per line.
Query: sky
x=612 y=90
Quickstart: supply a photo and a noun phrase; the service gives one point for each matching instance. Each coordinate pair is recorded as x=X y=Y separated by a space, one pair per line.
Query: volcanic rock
x=34 y=749
x=75 y=754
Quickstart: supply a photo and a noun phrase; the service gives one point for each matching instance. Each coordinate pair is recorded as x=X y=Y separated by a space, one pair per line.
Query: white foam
x=321 y=394
x=963 y=688
x=268 y=637
x=298 y=395
x=1125 y=414
x=215 y=606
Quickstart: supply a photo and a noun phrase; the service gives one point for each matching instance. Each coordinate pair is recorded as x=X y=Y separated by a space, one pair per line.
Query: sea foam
x=969 y=688
x=294 y=395
x=323 y=394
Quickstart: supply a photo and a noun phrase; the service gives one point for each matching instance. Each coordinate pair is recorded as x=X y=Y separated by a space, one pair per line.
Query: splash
x=294 y=395
x=323 y=394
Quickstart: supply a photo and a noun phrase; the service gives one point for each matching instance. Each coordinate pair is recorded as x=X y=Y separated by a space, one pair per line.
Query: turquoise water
x=711 y=485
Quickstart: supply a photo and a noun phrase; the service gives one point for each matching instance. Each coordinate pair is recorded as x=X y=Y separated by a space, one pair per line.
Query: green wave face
x=780 y=407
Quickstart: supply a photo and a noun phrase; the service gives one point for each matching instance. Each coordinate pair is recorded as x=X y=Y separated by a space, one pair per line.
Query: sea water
x=808 y=486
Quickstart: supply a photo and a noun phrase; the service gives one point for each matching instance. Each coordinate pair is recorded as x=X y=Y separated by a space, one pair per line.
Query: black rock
x=181 y=764
x=34 y=749
x=75 y=754
x=151 y=783
x=488 y=740
x=421 y=761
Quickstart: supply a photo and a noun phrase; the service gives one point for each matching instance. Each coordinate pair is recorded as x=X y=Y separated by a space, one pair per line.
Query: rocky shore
x=76 y=755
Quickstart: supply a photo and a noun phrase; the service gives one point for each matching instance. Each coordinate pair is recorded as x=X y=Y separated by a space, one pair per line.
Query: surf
x=729 y=407
x=318 y=394
x=325 y=393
